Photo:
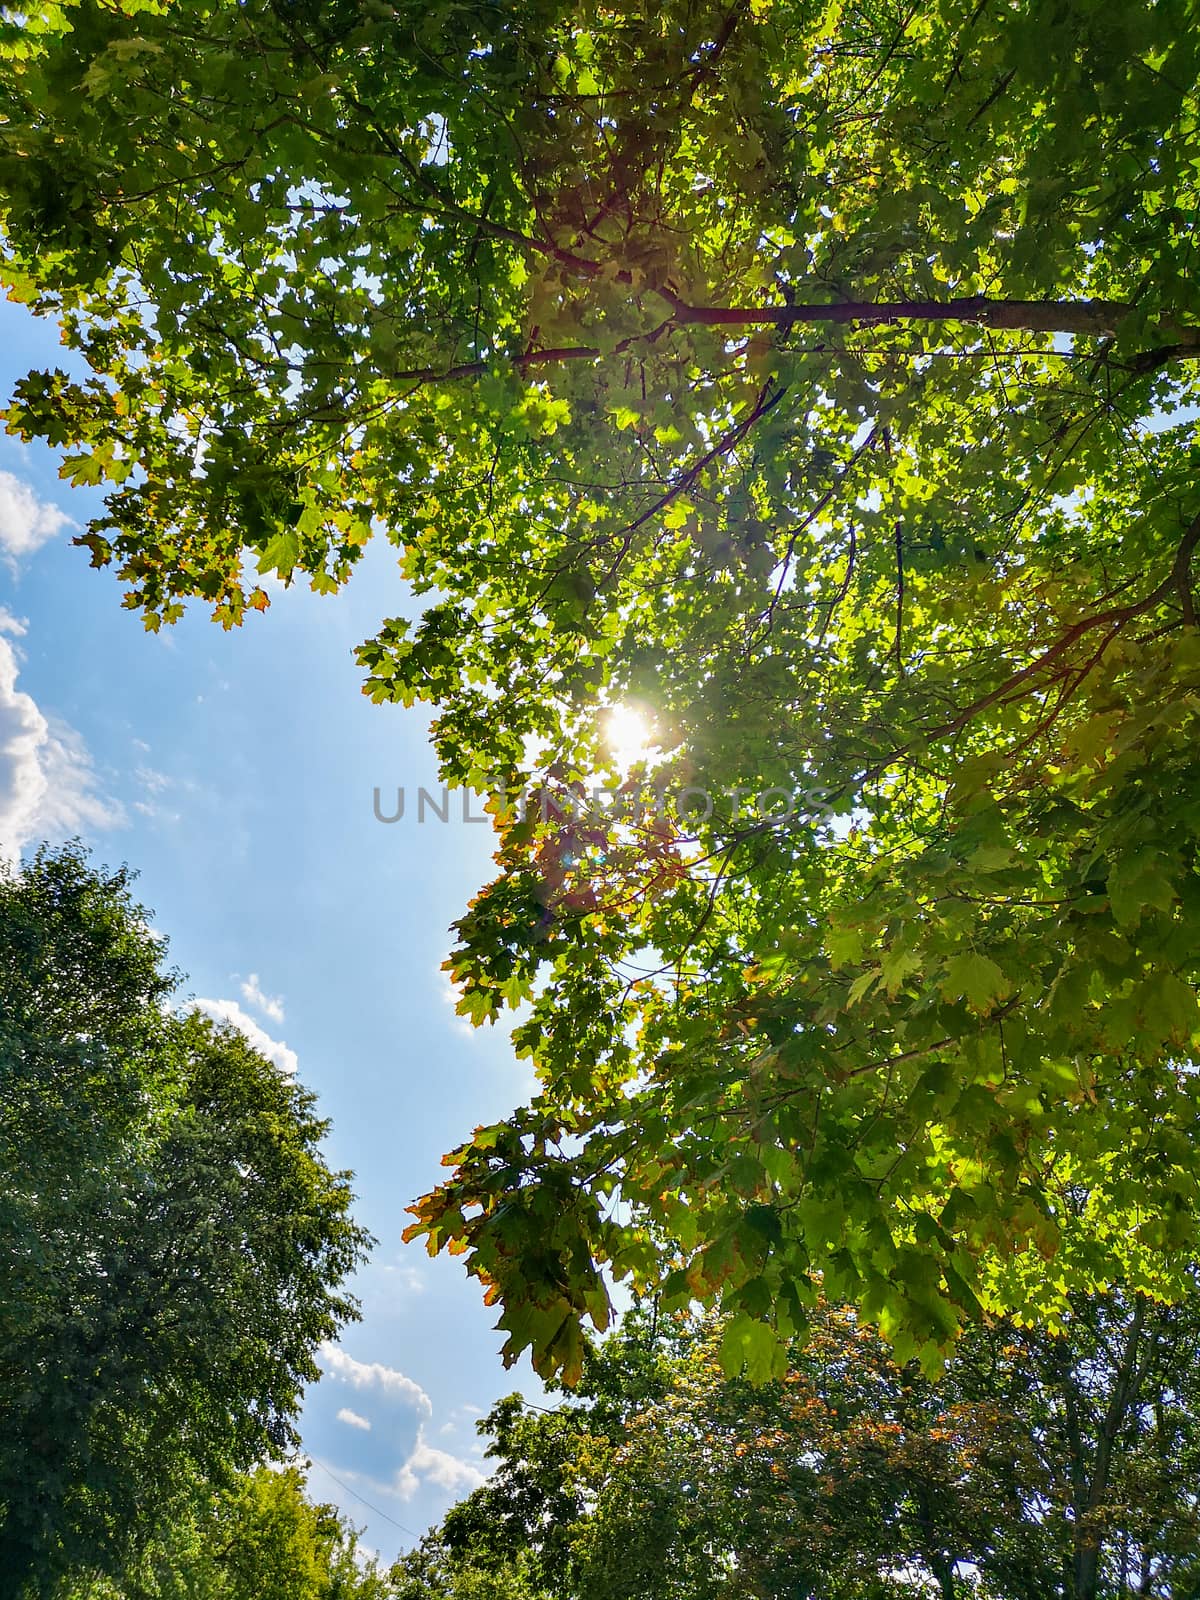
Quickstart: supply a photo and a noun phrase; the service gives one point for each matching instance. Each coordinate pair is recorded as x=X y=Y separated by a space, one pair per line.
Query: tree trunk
x=1088 y=1540
x=943 y=1571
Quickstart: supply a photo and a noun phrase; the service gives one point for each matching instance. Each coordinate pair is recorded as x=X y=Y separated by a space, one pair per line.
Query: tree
x=431 y=1573
x=174 y=1245
x=809 y=375
x=1038 y=1468
x=258 y=1538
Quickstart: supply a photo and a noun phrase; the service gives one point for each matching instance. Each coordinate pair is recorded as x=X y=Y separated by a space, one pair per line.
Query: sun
x=628 y=736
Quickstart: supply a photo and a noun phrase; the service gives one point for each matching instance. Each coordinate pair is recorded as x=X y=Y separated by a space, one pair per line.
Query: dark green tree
x=173 y=1244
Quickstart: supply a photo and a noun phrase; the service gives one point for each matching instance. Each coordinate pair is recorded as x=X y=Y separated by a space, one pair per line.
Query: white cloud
x=274 y=1049
x=373 y=1425
x=432 y=1465
x=48 y=785
x=353 y=1420
x=271 y=1005
x=404 y=1273
x=462 y=1415
x=151 y=780
x=155 y=785
x=337 y=1364
x=26 y=523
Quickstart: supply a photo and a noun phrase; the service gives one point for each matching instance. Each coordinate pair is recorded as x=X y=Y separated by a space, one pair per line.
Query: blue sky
x=236 y=772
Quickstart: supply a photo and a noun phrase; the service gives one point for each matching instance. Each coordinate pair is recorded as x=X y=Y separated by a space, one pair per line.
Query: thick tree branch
x=1087 y=317
x=1096 y=318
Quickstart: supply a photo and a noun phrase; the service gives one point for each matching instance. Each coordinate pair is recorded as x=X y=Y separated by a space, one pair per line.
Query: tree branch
x=1096 y=317
x=1115 y=617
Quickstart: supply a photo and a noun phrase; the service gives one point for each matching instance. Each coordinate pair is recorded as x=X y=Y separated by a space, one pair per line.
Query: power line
x=411 y=1533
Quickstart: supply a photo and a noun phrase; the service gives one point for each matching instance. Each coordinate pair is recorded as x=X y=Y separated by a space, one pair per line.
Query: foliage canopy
x=814 y=375
x=1038 y=1468
x=258 y=1537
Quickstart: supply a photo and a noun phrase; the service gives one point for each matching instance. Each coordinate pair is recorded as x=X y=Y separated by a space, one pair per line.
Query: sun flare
x=628 y=736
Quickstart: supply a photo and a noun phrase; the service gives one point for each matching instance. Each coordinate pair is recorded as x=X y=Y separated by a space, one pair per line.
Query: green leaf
x=976 y=979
